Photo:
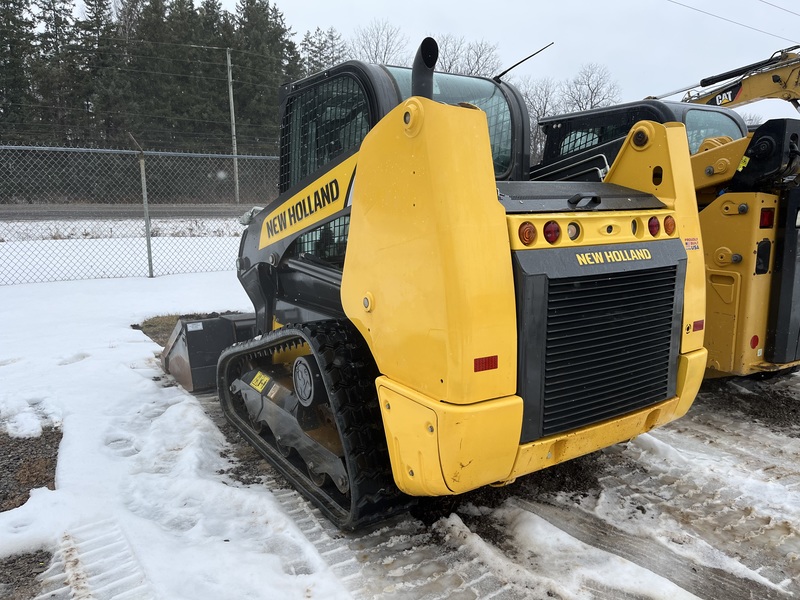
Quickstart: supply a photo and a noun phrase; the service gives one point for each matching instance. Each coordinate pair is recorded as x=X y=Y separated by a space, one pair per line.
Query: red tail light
x=654 y=226
x=767 y=218
x=552 y=232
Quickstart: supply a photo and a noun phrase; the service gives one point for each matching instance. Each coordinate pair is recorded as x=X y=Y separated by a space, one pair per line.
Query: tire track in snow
x=95 y=562
x=399 y=559
x=702 y=581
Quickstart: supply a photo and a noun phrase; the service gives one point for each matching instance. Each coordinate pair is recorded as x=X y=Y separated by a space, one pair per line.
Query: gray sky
x=650 y=47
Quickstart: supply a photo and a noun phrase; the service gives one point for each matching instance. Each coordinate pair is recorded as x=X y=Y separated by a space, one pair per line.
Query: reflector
x=485 y=363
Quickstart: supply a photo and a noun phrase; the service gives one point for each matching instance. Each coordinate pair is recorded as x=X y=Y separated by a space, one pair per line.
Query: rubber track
x=349 y=373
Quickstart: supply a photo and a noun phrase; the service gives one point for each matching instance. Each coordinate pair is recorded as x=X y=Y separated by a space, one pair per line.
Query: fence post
x=146 y=210
x=233 y=130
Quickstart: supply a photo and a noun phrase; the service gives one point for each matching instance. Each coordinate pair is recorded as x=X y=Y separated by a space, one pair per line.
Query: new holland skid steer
x=428 y=320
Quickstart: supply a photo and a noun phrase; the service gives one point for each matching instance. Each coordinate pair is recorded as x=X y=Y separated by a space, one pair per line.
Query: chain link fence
x=69 y=213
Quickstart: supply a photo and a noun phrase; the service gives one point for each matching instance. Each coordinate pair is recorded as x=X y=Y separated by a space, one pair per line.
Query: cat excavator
x=777 y=77
x=747 y=192
x=428 y=320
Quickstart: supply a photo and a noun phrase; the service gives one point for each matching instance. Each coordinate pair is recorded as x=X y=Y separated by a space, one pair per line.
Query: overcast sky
x=651 y=47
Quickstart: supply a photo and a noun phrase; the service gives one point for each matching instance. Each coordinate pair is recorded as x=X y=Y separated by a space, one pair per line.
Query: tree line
x=155 y=71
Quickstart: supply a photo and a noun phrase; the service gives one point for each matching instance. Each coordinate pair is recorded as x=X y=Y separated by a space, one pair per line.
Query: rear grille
x=609 y=346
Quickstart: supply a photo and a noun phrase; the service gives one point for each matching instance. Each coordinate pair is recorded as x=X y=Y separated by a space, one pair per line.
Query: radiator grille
x=608 y=346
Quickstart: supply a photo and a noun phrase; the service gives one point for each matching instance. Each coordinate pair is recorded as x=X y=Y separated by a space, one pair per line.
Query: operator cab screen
x=483 y=93
x=702 y=124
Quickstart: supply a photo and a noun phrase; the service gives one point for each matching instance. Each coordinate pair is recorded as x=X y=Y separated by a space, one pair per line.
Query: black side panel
x=612 y=322
x=259 y=281
x=783 y=330
x=772 y=156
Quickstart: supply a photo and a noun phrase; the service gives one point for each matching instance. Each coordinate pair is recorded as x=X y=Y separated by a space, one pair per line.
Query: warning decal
x=259 y=381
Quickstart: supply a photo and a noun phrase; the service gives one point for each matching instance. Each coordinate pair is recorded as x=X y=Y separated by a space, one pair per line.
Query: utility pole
x=233 y=129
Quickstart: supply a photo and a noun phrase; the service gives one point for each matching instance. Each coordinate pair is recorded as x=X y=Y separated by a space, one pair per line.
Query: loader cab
x=325 y=117
x=582 y=146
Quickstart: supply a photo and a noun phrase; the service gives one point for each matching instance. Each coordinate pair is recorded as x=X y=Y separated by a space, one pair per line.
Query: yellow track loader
x=746 y=185
x=428 y=320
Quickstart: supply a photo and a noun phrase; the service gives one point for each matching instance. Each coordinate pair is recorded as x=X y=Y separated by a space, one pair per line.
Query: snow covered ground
x=144 y=506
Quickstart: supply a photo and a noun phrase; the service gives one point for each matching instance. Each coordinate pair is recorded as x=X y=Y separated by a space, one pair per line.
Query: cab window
x=702 y=124
x=483 y=93
x=319 y=124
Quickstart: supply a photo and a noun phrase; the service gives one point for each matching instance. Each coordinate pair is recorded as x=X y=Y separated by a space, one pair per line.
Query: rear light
x=767 y=219
x=573 y=231
x=485 y=363
x=527 y=233
x=754 y=342
x=552 y=232
x=654 y=226
x=699 y=325
x=634 y=227
x=669 y=225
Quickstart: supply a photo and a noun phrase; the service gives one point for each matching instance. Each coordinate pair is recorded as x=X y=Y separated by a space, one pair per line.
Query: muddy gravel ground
x=25 y=464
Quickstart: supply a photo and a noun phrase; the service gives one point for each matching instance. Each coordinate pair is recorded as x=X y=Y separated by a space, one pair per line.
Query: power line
x=780 y=8
x=733 y=22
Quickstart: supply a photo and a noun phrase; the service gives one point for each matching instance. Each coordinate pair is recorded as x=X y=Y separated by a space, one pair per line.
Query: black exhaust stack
x=422 y=69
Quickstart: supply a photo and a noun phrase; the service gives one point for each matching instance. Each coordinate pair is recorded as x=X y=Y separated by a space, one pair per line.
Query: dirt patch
x=18 y=575
x=158 y=328
x=25 y=464
x=772 y=402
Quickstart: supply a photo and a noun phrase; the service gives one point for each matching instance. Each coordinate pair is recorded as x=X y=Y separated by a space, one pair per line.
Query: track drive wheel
x=304 y=396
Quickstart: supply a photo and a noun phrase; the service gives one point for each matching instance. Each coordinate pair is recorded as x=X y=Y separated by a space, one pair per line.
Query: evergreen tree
x=321 y=49
x=55 y=72
x=96 y=85
x=212 y=109
x=266 y=58
x=16 y=48
x=148 y=72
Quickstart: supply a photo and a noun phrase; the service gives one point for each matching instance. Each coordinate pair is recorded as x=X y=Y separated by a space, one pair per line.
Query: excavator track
x=304 y=396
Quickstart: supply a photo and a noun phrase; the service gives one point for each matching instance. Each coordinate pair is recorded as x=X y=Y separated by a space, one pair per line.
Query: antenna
x=497 y=77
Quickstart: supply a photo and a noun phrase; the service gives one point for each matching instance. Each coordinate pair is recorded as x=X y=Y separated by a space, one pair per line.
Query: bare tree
x=456 y=55
x=451 y=51
x=542 y=98
x=590 y=88
x=380 y=43
x=752 y=119
x=482 y=59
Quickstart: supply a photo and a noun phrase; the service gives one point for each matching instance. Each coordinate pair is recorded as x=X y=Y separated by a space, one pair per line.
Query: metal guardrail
x=73 y=213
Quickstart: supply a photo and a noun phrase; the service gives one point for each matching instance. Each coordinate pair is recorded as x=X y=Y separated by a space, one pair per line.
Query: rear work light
x=552 y=232
x=767 y=219
x=654 y=226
